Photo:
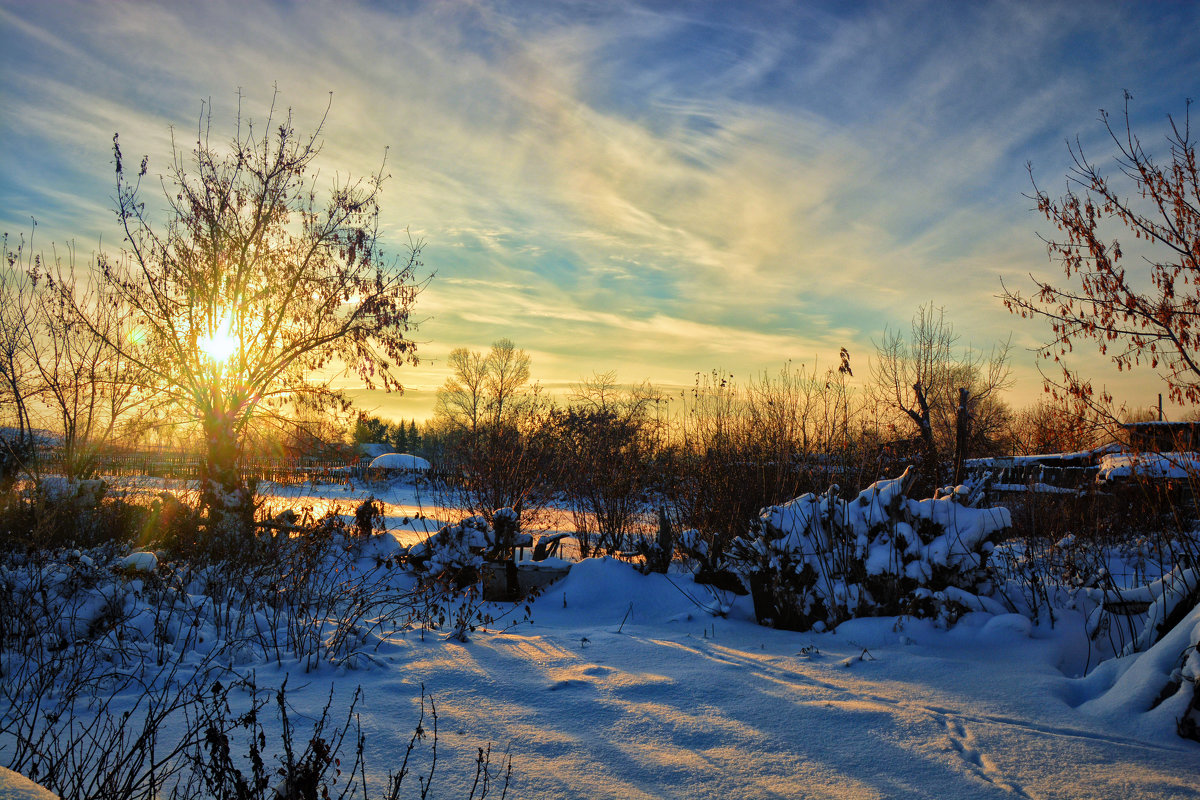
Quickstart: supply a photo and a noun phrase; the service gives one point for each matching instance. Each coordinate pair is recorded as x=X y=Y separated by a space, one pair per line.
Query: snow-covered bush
x=450 y=564
x=89 y=635
x=455 y=552
x=816 y=561
x=450 y=568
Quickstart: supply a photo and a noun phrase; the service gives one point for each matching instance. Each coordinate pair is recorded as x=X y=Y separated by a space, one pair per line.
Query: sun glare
x=220 y=346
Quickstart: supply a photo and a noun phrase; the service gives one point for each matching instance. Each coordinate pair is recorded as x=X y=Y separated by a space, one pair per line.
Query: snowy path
x=637 y=716
x=684 y=707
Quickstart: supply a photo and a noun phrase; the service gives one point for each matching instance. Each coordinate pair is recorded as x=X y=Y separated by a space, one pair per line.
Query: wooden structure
x=1163 y=437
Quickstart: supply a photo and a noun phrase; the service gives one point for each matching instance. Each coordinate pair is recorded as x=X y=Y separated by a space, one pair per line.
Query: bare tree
x=920 y=377
x=489 y=419
x=18 y=372
x=641 y=403
x=483 y=390
x=89 y=388
x=1054 y=426
x=56 y=372
x=1140 y=314
x=461 y=400
x=258 y=289
x=507 y=379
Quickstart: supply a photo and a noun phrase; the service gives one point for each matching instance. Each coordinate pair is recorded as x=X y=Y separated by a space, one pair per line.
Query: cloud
x=620 y=185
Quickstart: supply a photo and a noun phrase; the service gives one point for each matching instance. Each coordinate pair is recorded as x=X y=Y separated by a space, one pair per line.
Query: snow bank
x=1148 y=691
x=14 y=786
x=611 y=591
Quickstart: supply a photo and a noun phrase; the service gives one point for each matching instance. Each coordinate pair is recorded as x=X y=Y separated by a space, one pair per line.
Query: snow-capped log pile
x=816 y=561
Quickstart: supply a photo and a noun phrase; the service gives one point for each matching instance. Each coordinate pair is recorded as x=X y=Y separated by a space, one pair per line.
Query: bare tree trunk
x=932 y=466
x=961 y=434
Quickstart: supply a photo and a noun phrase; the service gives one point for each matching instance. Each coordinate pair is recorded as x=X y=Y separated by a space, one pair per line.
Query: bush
x=449 y=567
x=98 y=650
x=819 y=560
x=15 y=455
x=54 y=513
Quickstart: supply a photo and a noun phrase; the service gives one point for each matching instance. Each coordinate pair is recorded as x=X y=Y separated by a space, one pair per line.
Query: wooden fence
x=184 y=466
x=1020 y=473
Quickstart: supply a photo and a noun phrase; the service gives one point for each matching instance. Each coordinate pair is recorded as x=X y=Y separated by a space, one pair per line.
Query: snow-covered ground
x=596 y=700
x=621 y=685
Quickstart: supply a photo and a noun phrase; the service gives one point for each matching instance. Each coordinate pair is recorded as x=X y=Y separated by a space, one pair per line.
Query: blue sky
x=654 y=188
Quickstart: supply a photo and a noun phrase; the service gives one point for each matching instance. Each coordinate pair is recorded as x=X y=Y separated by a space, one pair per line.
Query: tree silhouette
x=258 y=288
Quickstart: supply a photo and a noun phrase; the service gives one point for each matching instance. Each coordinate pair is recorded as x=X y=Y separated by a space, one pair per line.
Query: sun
x=220 y=345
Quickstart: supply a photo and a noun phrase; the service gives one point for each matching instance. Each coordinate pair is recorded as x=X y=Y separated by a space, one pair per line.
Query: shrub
x=98 y=651
x=816 y=561
x=54 y=513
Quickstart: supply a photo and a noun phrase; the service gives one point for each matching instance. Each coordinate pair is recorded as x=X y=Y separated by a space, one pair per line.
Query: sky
x=659 y=189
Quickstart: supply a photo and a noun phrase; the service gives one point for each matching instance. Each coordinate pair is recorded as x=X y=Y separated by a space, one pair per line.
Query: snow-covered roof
x=400 y=461
x=1041 y=459
x=375 y=449
x=1149 y=465
x=1159 y=423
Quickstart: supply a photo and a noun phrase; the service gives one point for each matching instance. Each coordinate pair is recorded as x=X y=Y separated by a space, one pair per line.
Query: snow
x=1042 y=459
x=1035 y=488
x=829 y=549
x=400 y=461
x=17 y=787
x=1149 y=465
x=139 y=562
x=624 y=685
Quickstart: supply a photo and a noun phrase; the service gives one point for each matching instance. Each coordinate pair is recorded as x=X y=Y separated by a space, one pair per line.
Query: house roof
x=375 y=449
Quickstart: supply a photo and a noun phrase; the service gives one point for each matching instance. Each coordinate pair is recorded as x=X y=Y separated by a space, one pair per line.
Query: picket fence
x=185 y=466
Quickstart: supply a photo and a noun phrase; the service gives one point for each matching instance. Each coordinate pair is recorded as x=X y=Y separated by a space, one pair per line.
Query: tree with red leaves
x=1141 y=307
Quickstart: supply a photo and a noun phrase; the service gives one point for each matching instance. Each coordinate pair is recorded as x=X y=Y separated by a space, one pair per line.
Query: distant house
x=372 y=450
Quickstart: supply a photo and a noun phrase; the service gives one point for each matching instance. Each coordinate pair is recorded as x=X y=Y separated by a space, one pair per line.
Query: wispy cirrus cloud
x=655 y=189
